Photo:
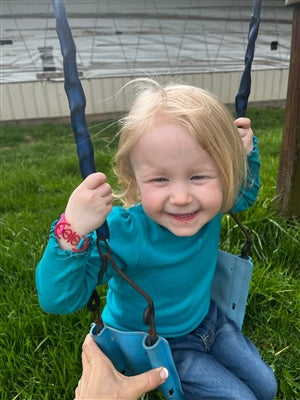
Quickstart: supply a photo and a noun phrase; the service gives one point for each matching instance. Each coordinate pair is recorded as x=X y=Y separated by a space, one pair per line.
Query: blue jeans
x=216 y=361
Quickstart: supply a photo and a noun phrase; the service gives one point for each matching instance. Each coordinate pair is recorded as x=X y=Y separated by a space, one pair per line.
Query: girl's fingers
x=94 y=180
x=243 y=122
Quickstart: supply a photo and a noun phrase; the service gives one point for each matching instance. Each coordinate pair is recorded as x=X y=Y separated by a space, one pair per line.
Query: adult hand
x=100 y=380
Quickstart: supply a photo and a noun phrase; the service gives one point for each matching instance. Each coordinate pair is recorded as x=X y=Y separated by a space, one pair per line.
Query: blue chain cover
x=241 y=100
x=130 y=355
x=76 y=98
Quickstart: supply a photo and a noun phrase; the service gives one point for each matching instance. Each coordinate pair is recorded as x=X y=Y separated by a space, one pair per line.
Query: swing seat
x=230 y=285
x=129 y=351
x=131 y=355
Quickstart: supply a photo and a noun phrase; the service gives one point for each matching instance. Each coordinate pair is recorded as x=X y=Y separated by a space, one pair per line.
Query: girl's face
x=179 y=183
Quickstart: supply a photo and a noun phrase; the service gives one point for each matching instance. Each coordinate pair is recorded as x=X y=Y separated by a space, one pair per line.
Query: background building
x=198 y=42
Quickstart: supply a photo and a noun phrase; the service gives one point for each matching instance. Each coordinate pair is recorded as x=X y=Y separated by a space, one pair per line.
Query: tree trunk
x=288 y=181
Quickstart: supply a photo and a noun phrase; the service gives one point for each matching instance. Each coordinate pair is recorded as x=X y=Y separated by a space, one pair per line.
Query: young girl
x=182 y=162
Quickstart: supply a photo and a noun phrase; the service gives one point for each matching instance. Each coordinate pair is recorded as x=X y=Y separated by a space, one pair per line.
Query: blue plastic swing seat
x=230 y=285
x=130 y=355
x=129 y=351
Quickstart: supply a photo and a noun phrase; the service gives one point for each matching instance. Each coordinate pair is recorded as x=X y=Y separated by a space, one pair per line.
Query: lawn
x=40 y=353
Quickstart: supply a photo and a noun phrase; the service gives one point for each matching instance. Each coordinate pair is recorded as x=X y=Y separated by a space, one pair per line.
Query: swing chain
x=94 y=301
x=245 y=253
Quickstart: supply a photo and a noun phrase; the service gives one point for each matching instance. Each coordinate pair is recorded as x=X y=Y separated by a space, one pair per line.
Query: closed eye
x=159 y=179
x=198 y=177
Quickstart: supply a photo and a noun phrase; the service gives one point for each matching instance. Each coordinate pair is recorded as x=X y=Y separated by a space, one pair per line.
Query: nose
x=180 y=195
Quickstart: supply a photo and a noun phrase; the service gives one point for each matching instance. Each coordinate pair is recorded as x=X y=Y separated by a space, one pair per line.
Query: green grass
x=40 y=353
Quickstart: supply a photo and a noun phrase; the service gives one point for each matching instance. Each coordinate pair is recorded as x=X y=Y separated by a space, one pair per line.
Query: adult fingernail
x=164 y=373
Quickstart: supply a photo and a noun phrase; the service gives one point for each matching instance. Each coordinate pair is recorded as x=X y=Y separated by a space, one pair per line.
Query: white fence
x=41 y=100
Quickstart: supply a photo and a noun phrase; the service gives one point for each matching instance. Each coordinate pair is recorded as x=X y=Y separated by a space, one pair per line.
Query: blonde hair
x=204 y=117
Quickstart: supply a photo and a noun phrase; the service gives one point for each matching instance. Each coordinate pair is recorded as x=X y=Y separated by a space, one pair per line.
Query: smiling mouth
x=185 y=217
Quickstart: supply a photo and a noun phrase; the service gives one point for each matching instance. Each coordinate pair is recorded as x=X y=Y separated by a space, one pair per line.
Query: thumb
x=149 y=380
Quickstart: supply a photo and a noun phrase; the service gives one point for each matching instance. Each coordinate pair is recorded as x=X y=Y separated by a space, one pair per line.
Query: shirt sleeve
x=66 y=279
x=248 y=193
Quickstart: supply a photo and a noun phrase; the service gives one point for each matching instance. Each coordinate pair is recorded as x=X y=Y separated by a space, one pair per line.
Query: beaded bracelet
x=63 y=230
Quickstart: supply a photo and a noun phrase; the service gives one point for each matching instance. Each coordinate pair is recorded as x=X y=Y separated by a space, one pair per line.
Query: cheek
x=150 y=199
x=214 y=197
x=219 y=198
x=147 y=196
x=148 y=205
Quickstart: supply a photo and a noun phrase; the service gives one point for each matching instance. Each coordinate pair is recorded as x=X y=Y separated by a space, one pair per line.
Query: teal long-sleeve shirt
x=175 y=271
